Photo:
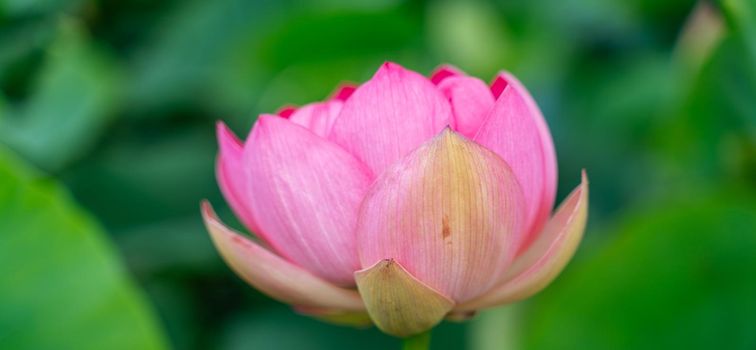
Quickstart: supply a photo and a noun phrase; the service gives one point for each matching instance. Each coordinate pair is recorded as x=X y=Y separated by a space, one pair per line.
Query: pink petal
x=470 y=99
x=273 y=275
x=305 y=195
x=547 y=144
x=286 y=111
x=451 y=213
x=390 y=116
x=343 y=92
x=516 y=131
x=318 y=117
x=546 y=257
x=231 y=176
x=443 y=72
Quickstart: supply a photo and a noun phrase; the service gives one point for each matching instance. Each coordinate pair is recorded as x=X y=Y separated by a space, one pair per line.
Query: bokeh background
x=107 y=112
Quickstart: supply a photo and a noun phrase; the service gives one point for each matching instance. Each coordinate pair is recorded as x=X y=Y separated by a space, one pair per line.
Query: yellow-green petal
x=397 y=302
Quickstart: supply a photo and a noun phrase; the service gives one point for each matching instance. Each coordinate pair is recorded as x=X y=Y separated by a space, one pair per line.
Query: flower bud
x=406 y=200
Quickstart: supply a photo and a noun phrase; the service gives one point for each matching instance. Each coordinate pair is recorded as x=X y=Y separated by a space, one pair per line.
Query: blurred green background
x=107 y=112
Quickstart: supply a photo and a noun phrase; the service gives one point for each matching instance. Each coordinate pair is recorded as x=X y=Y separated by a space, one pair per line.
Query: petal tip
x=344 y=91
x=389 y=67
x=503 y=80
x=220 y=126
x=444 y=71
x=272 y=274
x=208 y=214
x=205 y=207
x=286 y=111
x=264 y=122
x=448 y=135
x=226 y=137
x=210 y=219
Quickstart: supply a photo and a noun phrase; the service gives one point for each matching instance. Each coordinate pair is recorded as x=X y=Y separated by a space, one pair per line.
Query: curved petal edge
x=318 y=117
x=231 y=177
x=272 y=274
x=444 y=71
x=470 y=100
x=516 y=131
x=506 y=79
x=540 y=264
x=389 y=116
x=343 y=92
x=305 y=195
x=397 y=302
x=451 y=213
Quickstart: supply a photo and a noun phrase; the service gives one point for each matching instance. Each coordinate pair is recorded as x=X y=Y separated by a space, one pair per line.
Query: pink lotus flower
x=406 y=199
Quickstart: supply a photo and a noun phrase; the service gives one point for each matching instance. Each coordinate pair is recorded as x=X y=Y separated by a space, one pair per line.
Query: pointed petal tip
x=211 y=219
x=214 y=226
x=399 y=107
x=220 y=125
x=390 y=65
x=584 y=176
x=267 y=118
x=344 y=91
x=501 y=82
x=444 y=71
x=272 y=274
x=390 y=68
x=449 y=136
x=226 y=137
x=286 y=111
x=447 y=132
x=205 y=208
x=398 y=303
x=264 y=122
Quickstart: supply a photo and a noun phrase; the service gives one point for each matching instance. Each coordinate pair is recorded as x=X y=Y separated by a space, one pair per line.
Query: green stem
x=418 y=342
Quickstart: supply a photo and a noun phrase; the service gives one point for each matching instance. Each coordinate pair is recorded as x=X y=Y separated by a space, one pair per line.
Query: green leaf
x=61 y=285
x=20 y=8
x=186 y=52
x=304 y=56
x=678 y=275
x=69 y=104
x=148 y=174
x=742 y=17
x=713 y=135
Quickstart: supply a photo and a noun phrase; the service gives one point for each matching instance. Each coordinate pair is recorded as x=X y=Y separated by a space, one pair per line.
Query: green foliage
x=676 y=275
x=62 y=284
x=71 y=101
x=117 y=100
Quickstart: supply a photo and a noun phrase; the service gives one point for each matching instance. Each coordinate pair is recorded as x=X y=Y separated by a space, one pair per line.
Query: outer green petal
x=398 y=303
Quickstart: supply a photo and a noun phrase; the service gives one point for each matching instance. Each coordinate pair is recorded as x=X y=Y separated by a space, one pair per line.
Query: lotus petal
x=398 y=303
x=273 y=275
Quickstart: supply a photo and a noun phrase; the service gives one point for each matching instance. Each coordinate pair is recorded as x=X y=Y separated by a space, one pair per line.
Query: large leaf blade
x=60 y=284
